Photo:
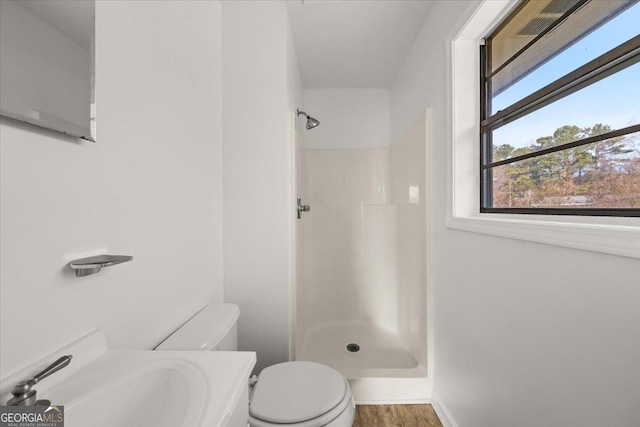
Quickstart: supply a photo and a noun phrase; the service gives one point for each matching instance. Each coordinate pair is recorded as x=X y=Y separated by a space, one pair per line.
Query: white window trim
x=610 y=235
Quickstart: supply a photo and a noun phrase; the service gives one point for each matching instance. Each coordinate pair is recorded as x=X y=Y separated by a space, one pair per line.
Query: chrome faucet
x=22 y=393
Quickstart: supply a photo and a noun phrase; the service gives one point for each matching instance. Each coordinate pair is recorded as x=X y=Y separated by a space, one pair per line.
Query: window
x=560 y=110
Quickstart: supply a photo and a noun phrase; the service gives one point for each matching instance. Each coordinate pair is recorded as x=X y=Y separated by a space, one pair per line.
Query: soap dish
x=93 y=264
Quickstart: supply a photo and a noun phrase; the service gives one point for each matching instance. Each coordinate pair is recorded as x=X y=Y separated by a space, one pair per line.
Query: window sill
x=619 y=239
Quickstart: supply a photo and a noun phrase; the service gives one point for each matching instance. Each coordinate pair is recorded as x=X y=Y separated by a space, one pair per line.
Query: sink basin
x=102 y=387
x=161 y=393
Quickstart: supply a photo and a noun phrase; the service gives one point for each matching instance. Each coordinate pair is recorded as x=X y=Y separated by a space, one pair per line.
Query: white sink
x=157 y=393
x=115 y=388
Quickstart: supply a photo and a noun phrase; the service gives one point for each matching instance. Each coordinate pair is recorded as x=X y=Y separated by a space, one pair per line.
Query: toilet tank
x=214 y=328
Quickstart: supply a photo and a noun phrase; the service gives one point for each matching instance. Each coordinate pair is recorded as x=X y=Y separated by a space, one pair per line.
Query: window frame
x=614 y=60
x=616 y=236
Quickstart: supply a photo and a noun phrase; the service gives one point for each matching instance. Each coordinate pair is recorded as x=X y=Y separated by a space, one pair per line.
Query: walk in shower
x=361 y=265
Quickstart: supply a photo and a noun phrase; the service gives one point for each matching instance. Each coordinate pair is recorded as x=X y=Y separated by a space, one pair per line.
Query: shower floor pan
x=382 y=370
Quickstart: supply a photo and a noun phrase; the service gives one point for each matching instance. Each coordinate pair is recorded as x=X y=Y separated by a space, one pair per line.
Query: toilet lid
x=293 y=392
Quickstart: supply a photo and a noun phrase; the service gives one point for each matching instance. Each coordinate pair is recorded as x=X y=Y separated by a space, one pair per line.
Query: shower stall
x=361 y=265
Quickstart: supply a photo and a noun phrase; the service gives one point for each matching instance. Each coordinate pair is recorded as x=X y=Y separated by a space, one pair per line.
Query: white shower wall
x=349 y=263
x=410 y=195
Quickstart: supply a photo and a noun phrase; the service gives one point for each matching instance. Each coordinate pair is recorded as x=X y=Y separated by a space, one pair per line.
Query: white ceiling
x=73 y=18
x=353 y=43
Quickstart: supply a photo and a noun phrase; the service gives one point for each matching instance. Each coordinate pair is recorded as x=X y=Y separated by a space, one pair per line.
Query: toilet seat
x=299 y=394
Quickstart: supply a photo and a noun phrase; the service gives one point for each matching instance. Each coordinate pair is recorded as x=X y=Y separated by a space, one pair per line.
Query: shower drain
x=353 y=348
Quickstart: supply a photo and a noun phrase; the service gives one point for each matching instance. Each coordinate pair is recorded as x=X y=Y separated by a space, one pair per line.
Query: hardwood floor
x=396 y=416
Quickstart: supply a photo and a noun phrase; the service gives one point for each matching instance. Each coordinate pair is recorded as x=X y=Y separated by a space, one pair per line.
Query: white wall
x=294 y=92
x=260 y=87
x=349 y=118
x=525 y=334
x=150 y=187
x=294 y=78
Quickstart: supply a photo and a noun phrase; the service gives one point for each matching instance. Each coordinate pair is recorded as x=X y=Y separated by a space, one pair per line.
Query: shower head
x=311 y=122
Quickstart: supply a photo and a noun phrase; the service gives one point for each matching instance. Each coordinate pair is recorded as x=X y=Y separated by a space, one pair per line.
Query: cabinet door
x=240 y=415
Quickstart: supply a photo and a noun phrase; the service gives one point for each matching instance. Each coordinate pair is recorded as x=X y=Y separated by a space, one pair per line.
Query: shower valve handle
x=302 y=208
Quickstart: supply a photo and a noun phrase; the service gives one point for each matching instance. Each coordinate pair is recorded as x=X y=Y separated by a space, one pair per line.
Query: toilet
x=297 y=394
